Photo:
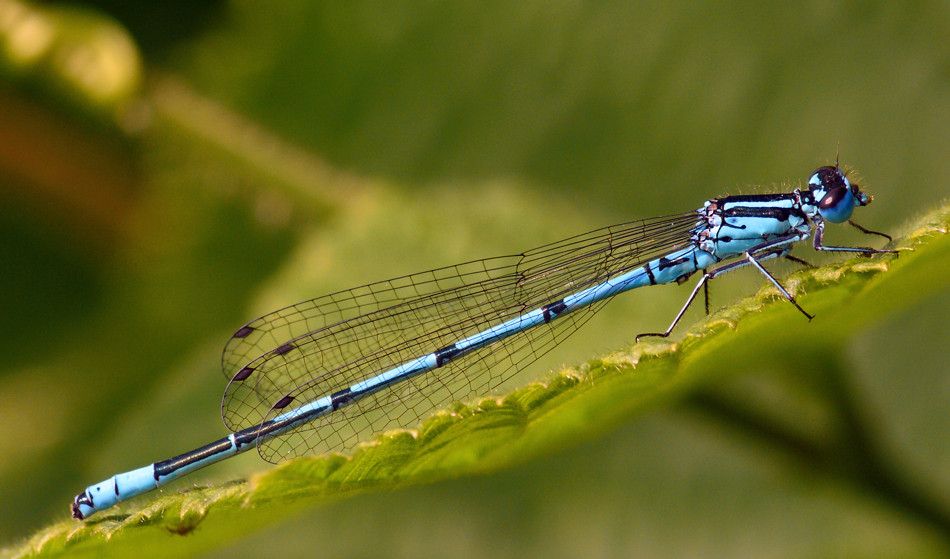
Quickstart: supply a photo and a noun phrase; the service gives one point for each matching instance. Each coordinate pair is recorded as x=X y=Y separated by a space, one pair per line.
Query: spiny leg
x=787 y=256
x=804 y=263
x=703 y=281
x=706 y=291
x=865 y=251
x=755 y=262
x=819 y=232
x=868 y=231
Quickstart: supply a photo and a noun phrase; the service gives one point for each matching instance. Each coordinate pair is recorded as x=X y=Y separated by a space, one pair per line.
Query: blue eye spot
x=837 y=205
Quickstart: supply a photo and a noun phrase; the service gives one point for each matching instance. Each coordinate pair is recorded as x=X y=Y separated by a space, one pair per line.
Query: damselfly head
x=835 y=195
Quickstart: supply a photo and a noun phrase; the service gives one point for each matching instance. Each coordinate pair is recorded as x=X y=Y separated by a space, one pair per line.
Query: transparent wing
x=270 y=331
x=407 y=403
x=328 y=344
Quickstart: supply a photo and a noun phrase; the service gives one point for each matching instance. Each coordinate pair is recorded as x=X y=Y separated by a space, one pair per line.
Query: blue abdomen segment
x=113 y=490
x=121 y=487
x=674 y=267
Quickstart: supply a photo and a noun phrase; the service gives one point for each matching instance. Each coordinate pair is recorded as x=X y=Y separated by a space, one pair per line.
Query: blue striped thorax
x=735 y=224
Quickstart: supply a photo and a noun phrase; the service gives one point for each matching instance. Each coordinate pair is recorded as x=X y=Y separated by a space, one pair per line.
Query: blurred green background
x=170 y=170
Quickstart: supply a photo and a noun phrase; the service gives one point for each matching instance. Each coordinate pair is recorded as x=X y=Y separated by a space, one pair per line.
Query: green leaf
x=527 y=425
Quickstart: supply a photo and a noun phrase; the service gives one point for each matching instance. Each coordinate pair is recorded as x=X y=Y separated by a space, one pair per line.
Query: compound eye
x=837 y=205
x=829 y=177
x=822 y=178
x=833 y=198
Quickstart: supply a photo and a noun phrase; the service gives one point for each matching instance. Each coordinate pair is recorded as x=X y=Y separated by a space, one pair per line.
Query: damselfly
x=329 y=373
